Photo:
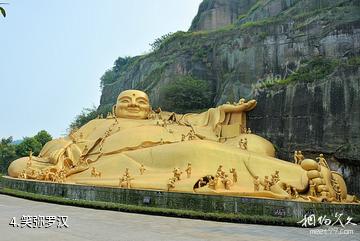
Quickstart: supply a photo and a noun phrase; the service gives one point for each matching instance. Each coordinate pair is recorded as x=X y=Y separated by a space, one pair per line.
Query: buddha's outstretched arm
x=243 y=107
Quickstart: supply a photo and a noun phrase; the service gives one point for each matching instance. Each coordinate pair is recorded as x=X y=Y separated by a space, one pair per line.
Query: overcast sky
x=53 y=54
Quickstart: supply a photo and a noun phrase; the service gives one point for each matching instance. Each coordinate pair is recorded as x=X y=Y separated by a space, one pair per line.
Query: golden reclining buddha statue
x=210 y=153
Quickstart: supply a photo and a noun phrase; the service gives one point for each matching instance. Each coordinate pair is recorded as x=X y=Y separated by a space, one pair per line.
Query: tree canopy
x=28 y=144
x=43 y=137
x=10 y=151
x=7 y=153
x=159 y=41
x=2 y=10
x=186 y=94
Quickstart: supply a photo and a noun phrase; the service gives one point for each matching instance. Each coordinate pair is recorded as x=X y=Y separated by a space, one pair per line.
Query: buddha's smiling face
x=133 y=104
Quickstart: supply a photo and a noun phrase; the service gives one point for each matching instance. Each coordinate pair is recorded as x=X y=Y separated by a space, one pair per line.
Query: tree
x=120 y=63
x=160 y=41
x=2 y=10
x=43 y=137
x=111 y=75
x=7 y=153
x=28 y=144
x=186 y=94
x=108 y=77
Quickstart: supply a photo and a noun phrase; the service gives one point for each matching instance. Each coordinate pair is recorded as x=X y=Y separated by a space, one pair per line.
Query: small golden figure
x=127 y=173
x=322 y=161
x=123 y=182
x=266 y=183
x=128 y=182
x=248 y=131
x=177 y=173
x=288 y=189
x=183 y=137
x=300 y=157
x=188 y=170
x=312 y=187
x=256 y=183
x=233 y=171
x=337 y=191
x=23 y=174
x=212 y=183
x=243 y=130
x=241 y=143
x=50 y=176
x=191 y=135
x=275 y=177
x=142 y=169
x=296 y=160
x=296 y=193
x=220 y=173
x=227 y=182
x=245 y=143
x=95 y=173
x=32 y=174
x=171 y=183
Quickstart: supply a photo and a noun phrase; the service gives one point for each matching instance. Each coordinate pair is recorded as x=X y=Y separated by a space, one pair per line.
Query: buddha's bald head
x=133 y=104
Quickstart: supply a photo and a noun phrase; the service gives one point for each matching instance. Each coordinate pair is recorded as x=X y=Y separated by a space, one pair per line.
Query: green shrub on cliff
x=108 y=77
x=186 y=94
x=111 y=75
x=160 y=41
x=315 y=69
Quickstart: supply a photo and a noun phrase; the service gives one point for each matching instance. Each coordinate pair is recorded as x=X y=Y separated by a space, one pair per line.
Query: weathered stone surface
x=214 y=14
x=318 y=117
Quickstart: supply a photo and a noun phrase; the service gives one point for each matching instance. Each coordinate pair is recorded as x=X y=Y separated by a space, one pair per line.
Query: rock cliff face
x=298 y=58
x=214 y=14
x=319 y=117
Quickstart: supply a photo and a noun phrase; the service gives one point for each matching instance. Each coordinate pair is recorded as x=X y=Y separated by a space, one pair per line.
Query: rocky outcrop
x=214 y=14
x=270 y=52
x=318 y=117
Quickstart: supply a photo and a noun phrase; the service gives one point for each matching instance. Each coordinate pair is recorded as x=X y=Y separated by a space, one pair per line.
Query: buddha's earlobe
x=114 y=110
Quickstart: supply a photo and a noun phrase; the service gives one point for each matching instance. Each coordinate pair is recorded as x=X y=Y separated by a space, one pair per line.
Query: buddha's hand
x=238 y=107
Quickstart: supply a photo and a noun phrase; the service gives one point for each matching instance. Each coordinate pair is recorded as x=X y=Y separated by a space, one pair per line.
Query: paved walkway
x=89 y=224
